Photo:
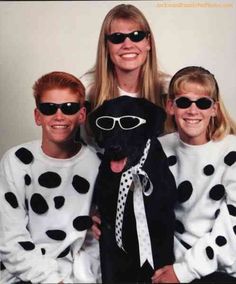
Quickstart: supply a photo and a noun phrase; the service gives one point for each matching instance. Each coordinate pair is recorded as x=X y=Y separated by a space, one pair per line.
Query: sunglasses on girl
x=69 y=108
x=126 y=122
x=135 y=36
x=201 y=103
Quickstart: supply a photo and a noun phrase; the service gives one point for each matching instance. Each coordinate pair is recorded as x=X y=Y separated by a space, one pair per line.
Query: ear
x=88 y=106
x=37 y=117
x=156 y=117
x=94 y=114
x=159 y=118
x=82 y=115
x=97 y=132
x=170 y=107
x=215 y=109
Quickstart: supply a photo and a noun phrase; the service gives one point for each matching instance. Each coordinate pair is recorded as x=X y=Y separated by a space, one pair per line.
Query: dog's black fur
x=117 y=265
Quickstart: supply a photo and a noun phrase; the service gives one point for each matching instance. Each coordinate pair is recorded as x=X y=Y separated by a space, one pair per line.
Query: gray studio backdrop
x=40 y=37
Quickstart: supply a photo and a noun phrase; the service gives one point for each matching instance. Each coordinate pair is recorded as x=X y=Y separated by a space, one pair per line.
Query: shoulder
x=228 y=142
x=87 y=79
x=227 y=148
x=231 y=140
x=91 y=156
x=23 y=152
x=169 y=140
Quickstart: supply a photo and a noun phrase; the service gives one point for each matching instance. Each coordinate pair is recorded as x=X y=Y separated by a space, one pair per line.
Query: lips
x=61 y=126
x=192 y=121
x=129 y=55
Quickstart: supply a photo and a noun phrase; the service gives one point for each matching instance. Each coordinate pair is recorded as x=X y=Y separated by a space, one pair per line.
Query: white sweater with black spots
x=44 y=216
x=206 y=211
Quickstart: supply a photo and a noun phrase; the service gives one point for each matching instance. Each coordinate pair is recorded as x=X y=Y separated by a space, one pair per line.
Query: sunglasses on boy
x=201 y=103
x=68 y=108
x=126 y=122
x=135 y=36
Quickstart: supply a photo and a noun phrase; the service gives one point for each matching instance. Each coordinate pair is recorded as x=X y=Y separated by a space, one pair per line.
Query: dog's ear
x=96 y=132
x=156 y=117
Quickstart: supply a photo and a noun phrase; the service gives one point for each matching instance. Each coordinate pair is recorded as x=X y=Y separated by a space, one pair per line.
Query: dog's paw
x=100 y=155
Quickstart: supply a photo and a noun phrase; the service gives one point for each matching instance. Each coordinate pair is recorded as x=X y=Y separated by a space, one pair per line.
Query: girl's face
x=128 y=55
x=192 y=121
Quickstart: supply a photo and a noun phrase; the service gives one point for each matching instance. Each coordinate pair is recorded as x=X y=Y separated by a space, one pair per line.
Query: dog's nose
x=115 y=148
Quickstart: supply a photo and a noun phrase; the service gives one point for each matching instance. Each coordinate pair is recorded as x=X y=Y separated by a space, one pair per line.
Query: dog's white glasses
x=126 y=122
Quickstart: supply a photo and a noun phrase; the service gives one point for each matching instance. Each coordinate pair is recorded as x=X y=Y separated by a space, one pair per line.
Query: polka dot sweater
x=44 y=209
x=206 y=210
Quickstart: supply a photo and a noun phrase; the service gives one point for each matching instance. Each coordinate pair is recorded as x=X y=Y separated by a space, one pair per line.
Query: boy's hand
x=165 y=274
x=95 y=227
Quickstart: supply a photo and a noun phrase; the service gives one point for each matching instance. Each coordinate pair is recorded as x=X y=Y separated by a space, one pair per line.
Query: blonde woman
x=126 y=61
x=202 y=157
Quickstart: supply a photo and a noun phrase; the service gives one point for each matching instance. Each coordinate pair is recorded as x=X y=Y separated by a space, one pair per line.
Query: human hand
x=165 y=274
x=95 y=227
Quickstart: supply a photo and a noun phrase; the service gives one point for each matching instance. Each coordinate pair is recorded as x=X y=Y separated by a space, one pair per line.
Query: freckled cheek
x=143 y=54
x=75 y=121
x=178 y=114
x=112 y=50
x=45 y=121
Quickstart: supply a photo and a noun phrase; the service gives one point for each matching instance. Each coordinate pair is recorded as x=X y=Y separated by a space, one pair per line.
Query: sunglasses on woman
x=201 y=103
x=69 y=108
x=135 y=36
x=125 y=122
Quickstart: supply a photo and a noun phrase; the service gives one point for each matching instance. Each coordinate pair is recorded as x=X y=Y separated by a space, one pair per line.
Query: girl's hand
x=95 y=227
x=165 y=274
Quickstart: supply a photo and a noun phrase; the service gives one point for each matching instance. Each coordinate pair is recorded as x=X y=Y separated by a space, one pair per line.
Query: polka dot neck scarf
x=142 y=185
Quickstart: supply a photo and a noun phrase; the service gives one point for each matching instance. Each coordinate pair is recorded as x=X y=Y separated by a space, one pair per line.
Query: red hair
x=58 y=80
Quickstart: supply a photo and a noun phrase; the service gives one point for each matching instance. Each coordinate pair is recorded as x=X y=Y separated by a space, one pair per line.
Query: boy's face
x=59 y=128
x=192 y=122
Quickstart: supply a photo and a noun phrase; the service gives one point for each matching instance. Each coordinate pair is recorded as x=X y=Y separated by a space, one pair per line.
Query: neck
x=128 y=80
x=61 y=151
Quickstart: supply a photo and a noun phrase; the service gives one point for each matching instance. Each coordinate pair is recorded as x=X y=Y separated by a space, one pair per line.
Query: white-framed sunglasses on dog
x=126 y=122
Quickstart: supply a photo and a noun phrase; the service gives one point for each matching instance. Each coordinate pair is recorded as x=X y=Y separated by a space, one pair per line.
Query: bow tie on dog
x=135 y=191
x=133 y=176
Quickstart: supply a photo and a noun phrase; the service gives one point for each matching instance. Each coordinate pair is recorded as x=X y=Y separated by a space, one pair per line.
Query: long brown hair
x=151 y=81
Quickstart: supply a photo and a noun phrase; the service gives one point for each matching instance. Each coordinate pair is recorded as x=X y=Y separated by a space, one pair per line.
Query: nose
x=115 y=148
x=59 y=115
x=193 y=108
x=127 y=42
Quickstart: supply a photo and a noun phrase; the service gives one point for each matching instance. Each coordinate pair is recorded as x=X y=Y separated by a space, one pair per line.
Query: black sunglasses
x=51 y=108
x=201 y=103
x=135 y=36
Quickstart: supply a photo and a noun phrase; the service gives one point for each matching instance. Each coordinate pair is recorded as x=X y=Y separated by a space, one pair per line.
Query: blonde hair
x=58 y=80
x=151 y=83
x=220 y=125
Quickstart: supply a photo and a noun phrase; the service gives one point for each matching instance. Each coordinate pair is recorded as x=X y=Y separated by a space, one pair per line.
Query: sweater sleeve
x=86 y=265
x=216 y=249
x=19 y=254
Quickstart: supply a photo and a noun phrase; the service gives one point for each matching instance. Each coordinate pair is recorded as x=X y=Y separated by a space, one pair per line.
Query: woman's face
x=128 y=55
x=192 y=122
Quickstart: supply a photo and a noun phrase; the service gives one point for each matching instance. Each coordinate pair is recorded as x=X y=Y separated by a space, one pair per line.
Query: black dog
x=124 y=127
